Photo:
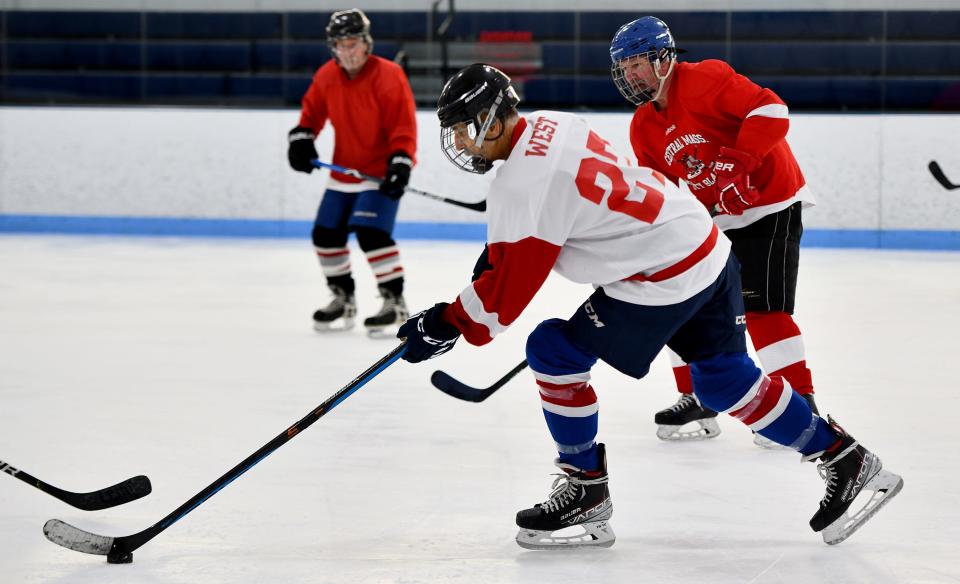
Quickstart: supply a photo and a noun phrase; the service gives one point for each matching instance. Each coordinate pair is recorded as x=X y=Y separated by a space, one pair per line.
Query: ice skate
x=770 y=444
x=687 y=410
x=579 y=503
x=393 y=313
x=851 y=473
x=338 y=315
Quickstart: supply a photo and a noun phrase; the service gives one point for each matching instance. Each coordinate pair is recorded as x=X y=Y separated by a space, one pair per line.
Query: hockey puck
x=123 y=558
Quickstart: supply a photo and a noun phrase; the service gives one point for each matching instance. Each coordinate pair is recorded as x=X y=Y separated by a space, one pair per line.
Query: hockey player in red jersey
x=369 y=102
x=565 y=200
x=724 y=137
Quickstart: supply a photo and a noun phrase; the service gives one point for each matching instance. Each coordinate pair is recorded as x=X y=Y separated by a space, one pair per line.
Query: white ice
x=177 y=358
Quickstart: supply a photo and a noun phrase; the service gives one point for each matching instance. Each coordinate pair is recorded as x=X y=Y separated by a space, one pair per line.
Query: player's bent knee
x=550 y=350
x=326 y=237
x=721 y=381
x=371 y=238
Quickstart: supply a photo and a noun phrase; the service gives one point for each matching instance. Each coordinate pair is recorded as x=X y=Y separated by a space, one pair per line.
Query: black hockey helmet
x=476 y=95
x=345 y=24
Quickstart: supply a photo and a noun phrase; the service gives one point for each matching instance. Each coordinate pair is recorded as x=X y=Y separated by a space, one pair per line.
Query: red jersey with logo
x=710 y=105
x=373 y=114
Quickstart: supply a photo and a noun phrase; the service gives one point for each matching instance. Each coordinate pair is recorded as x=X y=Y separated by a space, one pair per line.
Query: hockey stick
x=118 y=494
x=481 y=206
x=119 y=550
x=937 y=173
x=451 y=386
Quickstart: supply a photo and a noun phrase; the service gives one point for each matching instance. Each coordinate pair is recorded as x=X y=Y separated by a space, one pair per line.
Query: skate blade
x=341 y=325
x=383 y=332
x=884 y=486
x=707 y=428
x=768 y=443
x=593 y=534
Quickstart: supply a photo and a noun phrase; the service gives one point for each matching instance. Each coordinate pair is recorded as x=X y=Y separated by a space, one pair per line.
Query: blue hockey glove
x=427 y=334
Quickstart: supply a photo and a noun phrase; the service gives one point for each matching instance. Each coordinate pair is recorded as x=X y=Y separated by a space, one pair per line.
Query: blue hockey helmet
x=646 y=38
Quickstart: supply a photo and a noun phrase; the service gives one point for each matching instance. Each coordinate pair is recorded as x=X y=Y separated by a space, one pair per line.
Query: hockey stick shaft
x=117 y=548
x=450 y=386
x=481 y=206
x=939 y=175
x=118 y=494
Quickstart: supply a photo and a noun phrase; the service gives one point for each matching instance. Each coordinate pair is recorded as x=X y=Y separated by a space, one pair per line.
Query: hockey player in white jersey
x=565 y=200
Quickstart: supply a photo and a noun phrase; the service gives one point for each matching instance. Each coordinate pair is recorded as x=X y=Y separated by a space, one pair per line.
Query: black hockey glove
x=301 y=151
x=483 y=264
x=427 y=334
x=398 y=174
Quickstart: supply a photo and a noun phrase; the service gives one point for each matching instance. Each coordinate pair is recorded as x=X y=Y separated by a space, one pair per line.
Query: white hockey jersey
x=565 y=200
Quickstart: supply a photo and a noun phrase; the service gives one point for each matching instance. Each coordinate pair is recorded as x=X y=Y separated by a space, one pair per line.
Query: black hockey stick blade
x=118 y=494
x=459 y=390
x=938 y=174
x=119 y=550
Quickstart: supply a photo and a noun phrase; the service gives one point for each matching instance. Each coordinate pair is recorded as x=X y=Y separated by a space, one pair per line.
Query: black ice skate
x=338 y=315
x=393 y=314
x=687 y=410
x=581 y=500
x=770 y=444
x=849 y=469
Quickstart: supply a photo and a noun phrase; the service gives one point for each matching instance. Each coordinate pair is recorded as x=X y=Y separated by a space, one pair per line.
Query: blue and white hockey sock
x=732 y=383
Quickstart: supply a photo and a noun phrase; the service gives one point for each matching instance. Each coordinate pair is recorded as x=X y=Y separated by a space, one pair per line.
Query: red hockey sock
x=779 y=345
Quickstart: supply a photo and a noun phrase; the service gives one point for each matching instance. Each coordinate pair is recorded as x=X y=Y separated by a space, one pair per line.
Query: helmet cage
x=629 y=88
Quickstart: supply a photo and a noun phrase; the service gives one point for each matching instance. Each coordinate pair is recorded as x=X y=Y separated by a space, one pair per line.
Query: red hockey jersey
x=710 y=105
x=373 y=114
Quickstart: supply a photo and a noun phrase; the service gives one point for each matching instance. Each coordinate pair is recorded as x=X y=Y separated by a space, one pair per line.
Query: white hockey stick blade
x=78 y=540
x=704 y=429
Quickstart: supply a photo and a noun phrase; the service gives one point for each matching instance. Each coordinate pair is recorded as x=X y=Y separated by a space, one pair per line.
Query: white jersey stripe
x=473 y=306
x=778 y=355
x=771 y=110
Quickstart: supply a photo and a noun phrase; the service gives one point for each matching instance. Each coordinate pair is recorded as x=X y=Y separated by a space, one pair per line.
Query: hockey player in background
x=368 y=101
x=725 y=137
x=565 y=200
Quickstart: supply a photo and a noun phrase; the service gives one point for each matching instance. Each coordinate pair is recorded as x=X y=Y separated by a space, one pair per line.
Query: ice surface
x=177 y=358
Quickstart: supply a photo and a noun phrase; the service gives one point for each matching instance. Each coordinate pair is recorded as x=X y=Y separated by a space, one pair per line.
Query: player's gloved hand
x=732 y=169
x=301 y=151
x=427 y=334
x=398 y=174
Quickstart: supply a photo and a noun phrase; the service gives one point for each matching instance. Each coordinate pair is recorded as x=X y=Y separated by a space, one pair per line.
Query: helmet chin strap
x=485 y=127
x=663 y=77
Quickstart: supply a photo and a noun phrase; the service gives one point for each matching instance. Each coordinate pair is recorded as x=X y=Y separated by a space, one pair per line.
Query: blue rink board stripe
x=188 y=227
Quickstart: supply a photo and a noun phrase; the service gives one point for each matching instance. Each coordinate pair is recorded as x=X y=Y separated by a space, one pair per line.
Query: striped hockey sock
x=571 y=411
x=334 y=261
x=779 y=345
x=385 y=263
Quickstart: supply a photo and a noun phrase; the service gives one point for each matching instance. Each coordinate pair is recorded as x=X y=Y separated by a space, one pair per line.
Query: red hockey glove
x=732 y=169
